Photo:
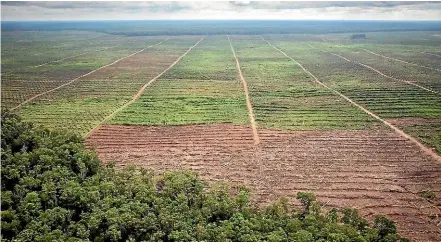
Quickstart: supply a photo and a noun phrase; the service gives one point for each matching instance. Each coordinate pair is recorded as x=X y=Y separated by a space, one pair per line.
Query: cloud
x=221 y=10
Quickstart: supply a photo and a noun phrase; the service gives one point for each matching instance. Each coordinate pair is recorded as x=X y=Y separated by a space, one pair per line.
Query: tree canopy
x=54 y=189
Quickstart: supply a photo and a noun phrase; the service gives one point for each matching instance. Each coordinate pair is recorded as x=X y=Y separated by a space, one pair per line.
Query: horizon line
x=347 y=20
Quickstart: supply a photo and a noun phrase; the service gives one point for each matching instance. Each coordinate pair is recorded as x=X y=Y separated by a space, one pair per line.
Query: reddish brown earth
x=375 y=171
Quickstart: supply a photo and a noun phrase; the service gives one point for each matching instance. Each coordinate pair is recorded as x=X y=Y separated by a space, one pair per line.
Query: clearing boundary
x=73 y=80
x=381 y=73
x=397 y=130
x=247 y=97
x=395 y=59
x=141 y=90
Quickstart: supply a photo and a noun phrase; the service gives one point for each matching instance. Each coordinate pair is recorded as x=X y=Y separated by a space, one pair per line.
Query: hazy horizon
x=220 y=10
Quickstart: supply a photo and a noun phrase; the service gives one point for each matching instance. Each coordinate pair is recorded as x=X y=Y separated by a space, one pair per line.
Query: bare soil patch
x=376 y=171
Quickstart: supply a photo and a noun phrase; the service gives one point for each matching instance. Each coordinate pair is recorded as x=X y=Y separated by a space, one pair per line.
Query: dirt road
x=247 y=97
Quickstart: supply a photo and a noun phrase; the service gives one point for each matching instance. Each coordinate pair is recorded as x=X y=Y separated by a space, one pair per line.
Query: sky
x=221 y=10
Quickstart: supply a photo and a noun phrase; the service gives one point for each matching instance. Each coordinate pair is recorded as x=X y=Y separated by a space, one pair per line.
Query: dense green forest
x=54 y=189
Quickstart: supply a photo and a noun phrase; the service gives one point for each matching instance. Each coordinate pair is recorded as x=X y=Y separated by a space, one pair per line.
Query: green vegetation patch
x=176 y=102
x=80 y=106
x=79 y=116
x=212 y=59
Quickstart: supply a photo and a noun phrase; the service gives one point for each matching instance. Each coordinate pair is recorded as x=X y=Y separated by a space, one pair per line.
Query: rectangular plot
x=175 y=102
x=285 y=97
x=211 y=60
x=80 y=64
x=77 y=116
x=139 y=66
x=82 y=105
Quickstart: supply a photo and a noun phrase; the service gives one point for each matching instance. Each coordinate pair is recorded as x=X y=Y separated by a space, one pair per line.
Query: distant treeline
x=358 y=36
x=212 y=27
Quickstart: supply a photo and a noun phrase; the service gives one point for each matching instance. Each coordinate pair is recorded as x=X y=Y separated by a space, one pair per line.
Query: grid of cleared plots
x=429 y=78
x=86 y=102
x=22 y=84
x=390 y=99
x=285 y=97
x=202 y=88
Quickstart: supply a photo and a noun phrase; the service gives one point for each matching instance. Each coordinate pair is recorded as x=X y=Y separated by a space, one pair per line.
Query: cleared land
x=195 y=114
x=375 y=171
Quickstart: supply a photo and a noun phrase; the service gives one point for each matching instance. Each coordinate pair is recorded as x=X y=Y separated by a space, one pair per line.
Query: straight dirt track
x=375 y=171
x=247 y=97
x=77 y=78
